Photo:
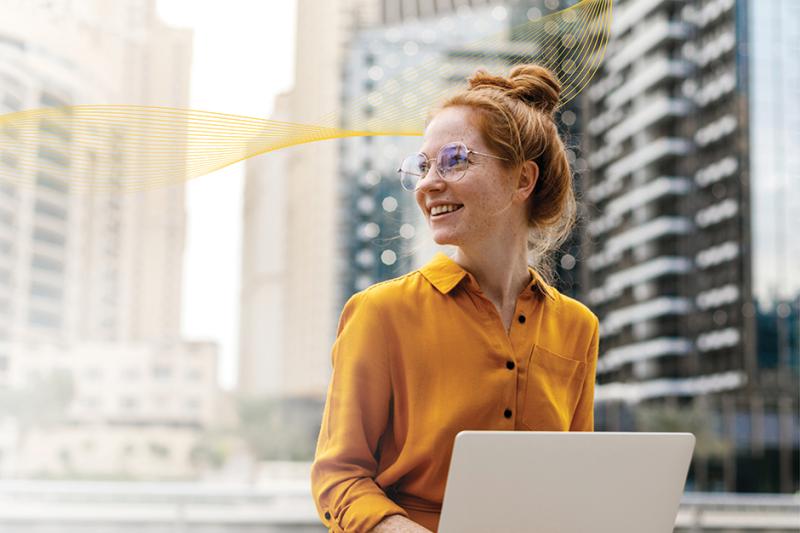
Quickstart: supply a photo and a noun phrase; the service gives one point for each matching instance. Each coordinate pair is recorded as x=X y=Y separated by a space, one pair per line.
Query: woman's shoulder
x=394 y=291
x=568 y=327
x=567 y=309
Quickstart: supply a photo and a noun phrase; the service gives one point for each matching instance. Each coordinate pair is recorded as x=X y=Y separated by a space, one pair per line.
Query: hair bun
x=532 y=84
x=536 y=85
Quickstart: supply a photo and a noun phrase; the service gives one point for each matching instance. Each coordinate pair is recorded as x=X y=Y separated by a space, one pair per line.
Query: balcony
x=716 y=213
x=648 y=37
x=652 y=113
x=619 y=281
x=632 y=13
x=615 y=320
x=717 y=254
x=715 y=89
x=718 y=339
x=643 y=79
x=603 y=86
x=617 y=208
x=716 y=130
x=717 y=296
x=649 y=231
x=639 y=196
x=642 y=351
x=640 y=158
x=716 y=171
x=636 y=392
x=605 y=120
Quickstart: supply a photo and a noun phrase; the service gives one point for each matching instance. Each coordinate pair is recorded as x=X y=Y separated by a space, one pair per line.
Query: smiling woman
x=478 y=341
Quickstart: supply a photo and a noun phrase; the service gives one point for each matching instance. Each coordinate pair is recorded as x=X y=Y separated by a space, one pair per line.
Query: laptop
x=558 y=482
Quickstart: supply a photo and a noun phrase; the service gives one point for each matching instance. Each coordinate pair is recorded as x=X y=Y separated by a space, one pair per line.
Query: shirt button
x=510 y=365
x=521 y=319
x=507 y=413
x=327 y=515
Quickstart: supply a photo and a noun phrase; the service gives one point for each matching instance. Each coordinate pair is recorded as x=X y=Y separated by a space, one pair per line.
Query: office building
x=688 y=254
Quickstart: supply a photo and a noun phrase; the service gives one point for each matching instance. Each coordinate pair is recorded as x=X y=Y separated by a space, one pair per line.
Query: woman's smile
x=439 y=212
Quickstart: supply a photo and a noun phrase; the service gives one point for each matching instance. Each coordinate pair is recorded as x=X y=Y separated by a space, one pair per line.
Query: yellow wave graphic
x=129 y=147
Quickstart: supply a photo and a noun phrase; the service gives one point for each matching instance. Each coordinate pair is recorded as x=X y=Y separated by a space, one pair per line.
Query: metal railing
x=112 y=507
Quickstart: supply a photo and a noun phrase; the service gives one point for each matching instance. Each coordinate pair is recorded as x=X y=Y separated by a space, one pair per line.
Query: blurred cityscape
x=686 y=156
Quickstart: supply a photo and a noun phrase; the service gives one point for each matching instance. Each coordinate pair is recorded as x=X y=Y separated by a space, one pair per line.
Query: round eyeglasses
x=452 y=162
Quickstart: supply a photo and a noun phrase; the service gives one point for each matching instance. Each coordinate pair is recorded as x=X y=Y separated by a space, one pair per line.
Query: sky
x=243 y=57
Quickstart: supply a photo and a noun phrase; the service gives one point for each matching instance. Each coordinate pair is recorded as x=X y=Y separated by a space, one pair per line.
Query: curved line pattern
x=132 y=147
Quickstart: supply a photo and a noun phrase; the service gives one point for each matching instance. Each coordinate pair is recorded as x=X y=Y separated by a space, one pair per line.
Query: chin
x=445 y=239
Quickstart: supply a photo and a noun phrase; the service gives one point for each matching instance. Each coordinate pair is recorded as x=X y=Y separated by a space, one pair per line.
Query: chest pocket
x=552 y=390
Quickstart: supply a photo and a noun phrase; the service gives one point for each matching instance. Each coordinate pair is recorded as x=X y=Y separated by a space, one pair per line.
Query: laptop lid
x=559 y=482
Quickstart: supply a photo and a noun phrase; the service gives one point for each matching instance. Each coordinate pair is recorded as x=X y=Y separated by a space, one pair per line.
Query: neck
x=499 y=265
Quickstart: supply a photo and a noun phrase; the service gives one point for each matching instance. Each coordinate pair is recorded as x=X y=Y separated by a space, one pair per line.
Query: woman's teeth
x=439 y=209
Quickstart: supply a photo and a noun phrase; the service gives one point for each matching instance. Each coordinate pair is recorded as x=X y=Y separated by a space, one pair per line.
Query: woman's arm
x=583 y=419
x=399 y=524
x=357 y=410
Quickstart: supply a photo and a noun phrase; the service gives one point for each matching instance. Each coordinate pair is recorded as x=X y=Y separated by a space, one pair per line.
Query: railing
x=112 y=507
x=738 y=512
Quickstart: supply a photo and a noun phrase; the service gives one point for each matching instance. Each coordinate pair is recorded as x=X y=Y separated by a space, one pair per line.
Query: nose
x=431 y=181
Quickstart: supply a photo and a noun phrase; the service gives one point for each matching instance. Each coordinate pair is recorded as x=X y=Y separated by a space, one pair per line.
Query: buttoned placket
x=517 y=336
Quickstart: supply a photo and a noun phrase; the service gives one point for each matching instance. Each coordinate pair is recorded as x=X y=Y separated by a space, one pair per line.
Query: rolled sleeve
x=583 y=419
x=354 y=419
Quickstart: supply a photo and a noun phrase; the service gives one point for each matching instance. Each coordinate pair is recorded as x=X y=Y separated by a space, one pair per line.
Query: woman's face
x=484 y=193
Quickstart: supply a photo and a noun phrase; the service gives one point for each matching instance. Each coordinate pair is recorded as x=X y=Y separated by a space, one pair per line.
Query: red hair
x=516 y=119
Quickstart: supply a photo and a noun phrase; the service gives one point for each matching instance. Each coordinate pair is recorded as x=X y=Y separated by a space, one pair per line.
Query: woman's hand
x=398 y=523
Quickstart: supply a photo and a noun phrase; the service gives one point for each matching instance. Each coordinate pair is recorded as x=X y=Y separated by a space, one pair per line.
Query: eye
x=424 y=166
x=453 y=156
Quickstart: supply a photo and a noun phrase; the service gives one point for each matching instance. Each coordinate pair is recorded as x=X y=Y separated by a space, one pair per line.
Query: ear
x=528 y=176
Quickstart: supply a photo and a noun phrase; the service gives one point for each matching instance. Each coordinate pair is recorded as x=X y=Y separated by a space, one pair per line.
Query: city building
x=91 y=279
x=262 y=321
x=110 y=410
x=88 y=264
x=291 y=274
x=688 y=255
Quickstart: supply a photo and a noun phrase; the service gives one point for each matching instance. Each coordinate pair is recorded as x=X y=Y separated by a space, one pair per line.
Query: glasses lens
x=452 y=161
x=413 y=168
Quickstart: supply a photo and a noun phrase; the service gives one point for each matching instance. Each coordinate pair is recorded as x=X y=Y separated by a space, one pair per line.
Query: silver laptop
x=557 y=482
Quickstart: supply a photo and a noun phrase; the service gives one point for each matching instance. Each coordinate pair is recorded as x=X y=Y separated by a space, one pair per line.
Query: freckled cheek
x=420 y=204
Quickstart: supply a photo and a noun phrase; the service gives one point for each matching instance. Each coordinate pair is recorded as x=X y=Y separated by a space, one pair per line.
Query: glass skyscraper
x=689 y=249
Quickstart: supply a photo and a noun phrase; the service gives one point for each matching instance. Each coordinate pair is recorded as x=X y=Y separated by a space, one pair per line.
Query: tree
x=696 y=419
x=43 y=402
x=281 y=428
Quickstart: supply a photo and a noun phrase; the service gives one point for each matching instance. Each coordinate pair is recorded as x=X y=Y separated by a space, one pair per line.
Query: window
x=40 y=318
x=49 y=209
x=45 y=263
x=50 y=182
x=162 y=372
x=45 y=291
x=53 y=156
x=44 y=235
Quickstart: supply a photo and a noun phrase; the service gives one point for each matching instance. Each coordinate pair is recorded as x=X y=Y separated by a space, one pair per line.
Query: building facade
x=82 y=264
x=685 y=220
x=109 y=410
x=91 y=280
x=306 y=175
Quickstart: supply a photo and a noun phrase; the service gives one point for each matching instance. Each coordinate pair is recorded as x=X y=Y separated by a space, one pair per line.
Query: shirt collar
x=444 y=274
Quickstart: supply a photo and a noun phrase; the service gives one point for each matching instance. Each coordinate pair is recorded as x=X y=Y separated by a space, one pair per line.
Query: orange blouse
x=423 y=356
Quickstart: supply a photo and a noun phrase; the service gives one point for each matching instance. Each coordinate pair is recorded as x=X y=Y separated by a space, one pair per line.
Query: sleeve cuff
x=362 y=515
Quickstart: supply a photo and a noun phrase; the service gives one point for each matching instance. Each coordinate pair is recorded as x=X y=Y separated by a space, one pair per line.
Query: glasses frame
x=439 y=171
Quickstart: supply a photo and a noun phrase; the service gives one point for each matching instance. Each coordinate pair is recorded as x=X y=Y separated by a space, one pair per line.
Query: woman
x=480 y=341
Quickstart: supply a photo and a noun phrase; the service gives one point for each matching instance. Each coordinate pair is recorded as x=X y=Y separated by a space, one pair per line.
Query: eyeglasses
x=452 y=162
